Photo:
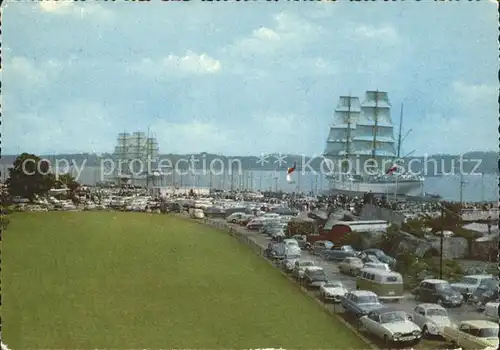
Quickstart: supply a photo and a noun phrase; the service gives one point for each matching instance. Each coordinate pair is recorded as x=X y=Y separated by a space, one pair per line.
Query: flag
x=289 y=172
x=391 y=170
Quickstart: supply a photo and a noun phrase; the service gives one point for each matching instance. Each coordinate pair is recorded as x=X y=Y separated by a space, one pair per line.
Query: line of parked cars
x=376 y=283
x=392 y=326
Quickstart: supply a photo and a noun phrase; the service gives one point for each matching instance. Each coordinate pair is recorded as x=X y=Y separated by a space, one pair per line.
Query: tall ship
x=361 y=150
x=132 y=152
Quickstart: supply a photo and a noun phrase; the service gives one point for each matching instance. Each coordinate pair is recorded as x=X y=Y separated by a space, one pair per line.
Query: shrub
x=353 y=239
x=415 y=227
x=4 y=222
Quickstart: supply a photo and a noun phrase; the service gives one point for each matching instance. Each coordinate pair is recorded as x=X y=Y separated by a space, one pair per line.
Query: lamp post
x=441 y=243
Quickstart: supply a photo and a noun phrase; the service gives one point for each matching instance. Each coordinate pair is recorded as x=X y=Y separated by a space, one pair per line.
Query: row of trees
x=30 y=176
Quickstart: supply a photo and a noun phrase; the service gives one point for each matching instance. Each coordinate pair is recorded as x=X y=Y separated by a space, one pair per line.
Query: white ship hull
x=403 y=188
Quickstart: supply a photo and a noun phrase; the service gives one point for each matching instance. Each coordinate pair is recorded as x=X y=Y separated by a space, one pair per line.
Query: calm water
x=476 y=188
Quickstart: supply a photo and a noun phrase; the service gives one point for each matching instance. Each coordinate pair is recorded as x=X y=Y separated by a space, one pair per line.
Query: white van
x=386 y=284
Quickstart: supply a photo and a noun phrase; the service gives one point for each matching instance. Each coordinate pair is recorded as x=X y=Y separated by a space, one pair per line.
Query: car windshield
x=367 y=299
x=317 y=273
x=436 y=312
x=291 y=243
x=348 y=248
x=488 y=333
x=293 y=257
x=377 y=253
x=306 y=263
x=468 y=280
x=443 y=287
x=489 y=284
x=389 y=317
x=392 y=279
x=333 y=285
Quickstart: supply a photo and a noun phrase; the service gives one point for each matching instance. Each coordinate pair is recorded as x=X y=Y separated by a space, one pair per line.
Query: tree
x=29 y=177
x=67 y=180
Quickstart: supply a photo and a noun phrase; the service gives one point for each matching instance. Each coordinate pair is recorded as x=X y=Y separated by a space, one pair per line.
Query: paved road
x=466 y=312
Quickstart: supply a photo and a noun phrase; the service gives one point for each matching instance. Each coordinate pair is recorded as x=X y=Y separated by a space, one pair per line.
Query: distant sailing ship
x=132 y=153
x=361 y=133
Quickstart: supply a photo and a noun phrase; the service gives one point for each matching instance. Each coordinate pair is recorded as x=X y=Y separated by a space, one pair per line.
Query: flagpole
x=396 y=189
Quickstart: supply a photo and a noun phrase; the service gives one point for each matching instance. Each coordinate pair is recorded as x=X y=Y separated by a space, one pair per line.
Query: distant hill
x=487 y=162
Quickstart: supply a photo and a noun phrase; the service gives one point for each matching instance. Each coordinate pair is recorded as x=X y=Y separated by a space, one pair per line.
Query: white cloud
x=172 y=65
x=280 y=49
x=383 y=34
x=29 y=73
x=288 y=32
x=478 y=94
x=76 y=10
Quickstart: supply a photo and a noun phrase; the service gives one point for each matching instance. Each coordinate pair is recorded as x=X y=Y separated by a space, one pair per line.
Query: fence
x=242 y=237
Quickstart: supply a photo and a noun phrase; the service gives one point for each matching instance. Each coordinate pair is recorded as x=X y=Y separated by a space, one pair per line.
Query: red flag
x=391 y=170
x=292 y=169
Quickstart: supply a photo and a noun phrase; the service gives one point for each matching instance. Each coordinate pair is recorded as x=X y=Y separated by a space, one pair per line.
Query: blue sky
x=244 y=78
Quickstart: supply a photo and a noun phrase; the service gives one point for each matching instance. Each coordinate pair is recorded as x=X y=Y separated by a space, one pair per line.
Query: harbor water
x=475 y=188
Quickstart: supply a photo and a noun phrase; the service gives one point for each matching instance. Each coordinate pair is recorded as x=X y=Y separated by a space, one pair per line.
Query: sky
x=240 y=78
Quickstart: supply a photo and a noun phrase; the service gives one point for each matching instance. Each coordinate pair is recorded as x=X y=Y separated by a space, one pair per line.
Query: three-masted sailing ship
x=361 y=149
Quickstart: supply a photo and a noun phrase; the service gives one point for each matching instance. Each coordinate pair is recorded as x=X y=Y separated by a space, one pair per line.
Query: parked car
x=366 y=258
x=301 y=239
x=439 y=292
x=491 y=310
x=319 y=246
x=340 y=253
x=485 y=293
x=290 y=242
x=351 y=266
x=314 y=277
x=467 y=285
x=277 y=235
x=393 y=326
x=276 y=251
x=245 y=219
x=380 y=255
x=235 y=217
x=378 y=266
x=332 y=291
x=431 y=318
x=289 y=262
x=360 y=302
x=255 y=224
x=269 y=227
x=300 y=266
x=388 y=285
x=476 y=334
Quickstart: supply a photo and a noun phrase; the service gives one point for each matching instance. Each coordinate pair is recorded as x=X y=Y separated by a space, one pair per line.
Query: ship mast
x=375 y=126
x=400 y=130
x=148 y=162
x=348 y=134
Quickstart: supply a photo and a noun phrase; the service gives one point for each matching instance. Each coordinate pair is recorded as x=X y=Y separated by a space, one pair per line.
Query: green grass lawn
x=133 y=280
